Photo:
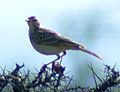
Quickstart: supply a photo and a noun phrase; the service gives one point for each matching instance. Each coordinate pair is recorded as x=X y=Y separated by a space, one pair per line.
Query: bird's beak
x=27 y=21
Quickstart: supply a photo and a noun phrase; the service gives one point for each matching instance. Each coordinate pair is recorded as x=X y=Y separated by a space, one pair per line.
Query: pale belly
x=48 y=50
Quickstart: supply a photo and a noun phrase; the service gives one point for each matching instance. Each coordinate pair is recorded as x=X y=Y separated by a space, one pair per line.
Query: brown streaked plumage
x=48 y=42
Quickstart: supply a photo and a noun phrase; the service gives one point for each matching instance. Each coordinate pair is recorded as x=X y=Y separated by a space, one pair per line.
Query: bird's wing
x=48 y=37
x=45 y=37
x=71 y=44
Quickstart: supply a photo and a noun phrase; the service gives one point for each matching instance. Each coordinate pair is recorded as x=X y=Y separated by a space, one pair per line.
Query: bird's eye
x=35 y=19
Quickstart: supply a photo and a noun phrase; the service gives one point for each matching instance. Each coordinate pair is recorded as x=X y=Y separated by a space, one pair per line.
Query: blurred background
x=94 y=23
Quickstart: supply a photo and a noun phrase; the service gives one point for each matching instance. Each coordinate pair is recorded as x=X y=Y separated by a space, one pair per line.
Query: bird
x=49 y=42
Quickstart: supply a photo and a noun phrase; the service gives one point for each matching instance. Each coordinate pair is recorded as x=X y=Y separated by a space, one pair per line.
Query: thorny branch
x=52 y=78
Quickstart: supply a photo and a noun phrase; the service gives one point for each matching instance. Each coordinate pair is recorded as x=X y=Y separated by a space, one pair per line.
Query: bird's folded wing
x=45 y=37
x=48 y=37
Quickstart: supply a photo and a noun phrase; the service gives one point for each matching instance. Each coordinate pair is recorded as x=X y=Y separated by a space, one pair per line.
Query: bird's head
x=33 y=22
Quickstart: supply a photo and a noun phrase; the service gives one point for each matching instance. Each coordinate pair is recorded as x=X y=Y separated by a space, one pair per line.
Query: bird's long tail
x=75 y=46
x=89 y=52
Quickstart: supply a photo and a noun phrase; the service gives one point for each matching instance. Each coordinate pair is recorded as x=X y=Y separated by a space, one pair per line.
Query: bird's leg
x=58 y=57
x=64 y=53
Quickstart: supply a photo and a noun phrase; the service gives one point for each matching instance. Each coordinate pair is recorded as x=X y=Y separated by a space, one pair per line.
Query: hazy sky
x=14 y=42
